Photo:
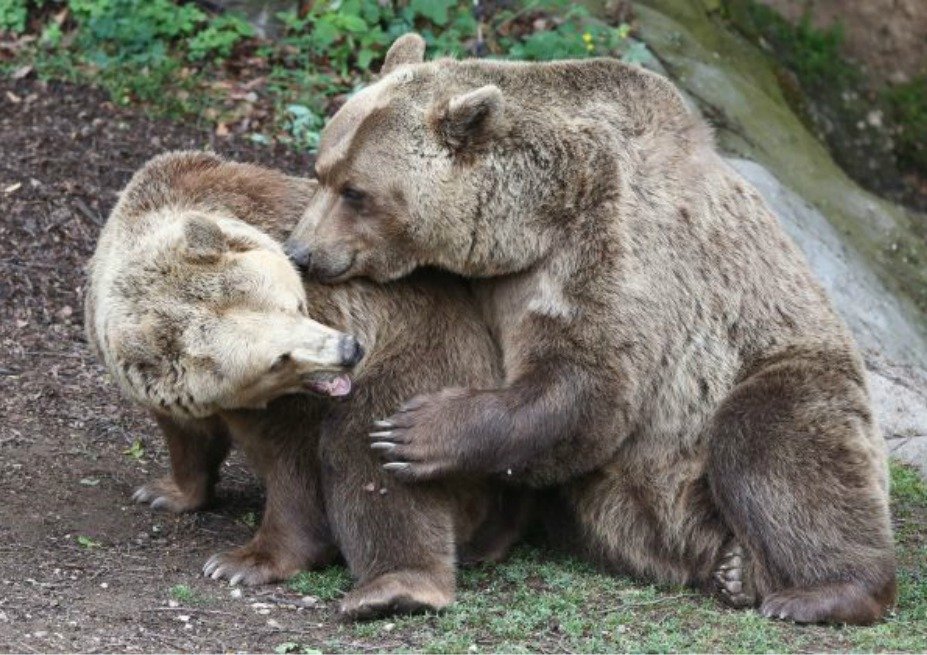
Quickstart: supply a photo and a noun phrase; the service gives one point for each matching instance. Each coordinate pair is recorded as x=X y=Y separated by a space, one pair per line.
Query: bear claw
x=165 y=494
x=732 y=581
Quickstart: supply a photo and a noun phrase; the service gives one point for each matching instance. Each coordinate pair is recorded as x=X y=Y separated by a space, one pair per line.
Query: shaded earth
x=82 y=569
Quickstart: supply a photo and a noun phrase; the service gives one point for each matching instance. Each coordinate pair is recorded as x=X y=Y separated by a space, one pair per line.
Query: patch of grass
x=250 y=519
x=326 y=584
x=183 y=594
x=541 y=601
x=908 y=487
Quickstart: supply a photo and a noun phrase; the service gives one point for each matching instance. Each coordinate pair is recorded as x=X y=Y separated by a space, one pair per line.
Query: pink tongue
x=340 y=386
x=335 y=387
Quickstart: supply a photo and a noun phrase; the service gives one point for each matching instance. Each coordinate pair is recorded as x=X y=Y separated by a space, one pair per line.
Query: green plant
x=218 y=39
x=908 y=106
x=575 y=34
x=184 y=594
x=169 y=53
x=812 y=53
x=304 y=126
x=355 y=33
x=116 y=32
x=13 y=15
x=136 y=451
x=88 y=543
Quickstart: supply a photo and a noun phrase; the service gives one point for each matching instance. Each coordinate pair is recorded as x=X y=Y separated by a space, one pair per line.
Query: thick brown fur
x=672 y=369
x=326 y=491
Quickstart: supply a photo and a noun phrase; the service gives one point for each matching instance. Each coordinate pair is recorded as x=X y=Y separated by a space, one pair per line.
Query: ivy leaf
x=364 y=57
x=354 y=24
x=433 y=10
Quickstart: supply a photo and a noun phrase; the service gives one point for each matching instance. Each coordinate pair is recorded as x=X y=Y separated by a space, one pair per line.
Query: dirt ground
x=81 y=568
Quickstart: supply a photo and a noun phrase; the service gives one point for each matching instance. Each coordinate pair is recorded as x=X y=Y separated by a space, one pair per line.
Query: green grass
x=185 y=595
x=538 y=601
x=326 y=584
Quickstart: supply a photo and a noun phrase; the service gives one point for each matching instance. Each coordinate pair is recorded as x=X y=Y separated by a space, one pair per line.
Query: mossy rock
x=736 y=87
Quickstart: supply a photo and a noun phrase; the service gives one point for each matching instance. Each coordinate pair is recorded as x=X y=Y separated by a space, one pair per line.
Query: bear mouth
x=329 y=385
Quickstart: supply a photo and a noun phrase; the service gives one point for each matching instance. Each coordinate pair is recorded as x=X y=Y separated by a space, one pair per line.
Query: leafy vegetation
x=13 y=15
x=179 y=59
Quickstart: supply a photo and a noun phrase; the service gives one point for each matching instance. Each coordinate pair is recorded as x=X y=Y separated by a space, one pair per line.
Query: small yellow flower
x=587 y=37
x=590 y=47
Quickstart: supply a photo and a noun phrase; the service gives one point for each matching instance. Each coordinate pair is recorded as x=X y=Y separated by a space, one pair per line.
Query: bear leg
x=197 y=449
x=651 y=517
x=797 y=470
x=282 y=445
x=397 y=539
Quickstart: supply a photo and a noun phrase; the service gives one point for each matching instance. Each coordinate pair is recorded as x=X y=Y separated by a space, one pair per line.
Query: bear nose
x=298 y=254
x=350 y=350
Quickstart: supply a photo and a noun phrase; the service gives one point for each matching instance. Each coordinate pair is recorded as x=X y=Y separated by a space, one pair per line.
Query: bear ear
x=407 y=49
x=205 y=241
x=469 y=117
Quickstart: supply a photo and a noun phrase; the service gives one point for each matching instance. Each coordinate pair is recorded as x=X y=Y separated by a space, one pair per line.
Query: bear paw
x=249 y=566
x=403 y=592
x=733 y=578
x=838 y=602
x=164 y=494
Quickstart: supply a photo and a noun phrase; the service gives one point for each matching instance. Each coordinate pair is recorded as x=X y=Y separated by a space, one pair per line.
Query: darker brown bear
x=671 y=366
x=326 y=493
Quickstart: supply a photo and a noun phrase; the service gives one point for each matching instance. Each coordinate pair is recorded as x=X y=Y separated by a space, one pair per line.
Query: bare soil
x=81 y=568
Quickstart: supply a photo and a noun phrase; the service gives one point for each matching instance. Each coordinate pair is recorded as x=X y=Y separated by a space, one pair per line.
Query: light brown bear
x=325 y=491
x=194 y=310
x=671 y=365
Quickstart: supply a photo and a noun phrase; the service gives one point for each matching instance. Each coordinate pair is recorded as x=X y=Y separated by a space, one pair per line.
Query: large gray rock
x=884 y=326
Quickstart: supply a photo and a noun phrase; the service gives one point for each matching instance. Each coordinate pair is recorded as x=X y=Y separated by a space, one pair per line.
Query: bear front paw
x=249 y=566
x=165 y=494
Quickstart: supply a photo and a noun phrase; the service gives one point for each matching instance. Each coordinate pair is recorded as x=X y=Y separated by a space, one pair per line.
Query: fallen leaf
x=12 y=97
x=21 y=72
x=222 y=129
x=12 y=188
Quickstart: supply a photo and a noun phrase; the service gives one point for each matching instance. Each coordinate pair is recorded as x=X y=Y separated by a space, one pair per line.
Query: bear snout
x=350 y=351
x=299 y=254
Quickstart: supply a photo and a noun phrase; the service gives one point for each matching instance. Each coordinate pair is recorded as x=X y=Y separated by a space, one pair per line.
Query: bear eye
x=352 y=195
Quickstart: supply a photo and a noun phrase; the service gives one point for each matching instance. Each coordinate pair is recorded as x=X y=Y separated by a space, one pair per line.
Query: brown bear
x=671 y=366
x=194 y=310
x=325 y=490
